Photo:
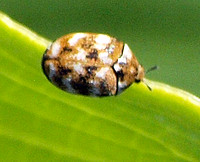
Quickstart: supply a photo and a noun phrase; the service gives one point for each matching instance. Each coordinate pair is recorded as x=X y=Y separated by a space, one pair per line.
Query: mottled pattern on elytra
x=87 y=49
x=90 y=64
x=126 y=69
x=83 y=79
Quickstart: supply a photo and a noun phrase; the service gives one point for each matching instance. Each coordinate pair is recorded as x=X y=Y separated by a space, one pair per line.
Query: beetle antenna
x=149 y=70
x=152 y=68
x=148 y=86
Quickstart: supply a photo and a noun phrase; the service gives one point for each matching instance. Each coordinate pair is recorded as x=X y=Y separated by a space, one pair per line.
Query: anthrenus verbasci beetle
x=91 y=64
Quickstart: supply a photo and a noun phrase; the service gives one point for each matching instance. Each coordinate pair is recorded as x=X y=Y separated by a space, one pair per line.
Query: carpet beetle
x=91 y=64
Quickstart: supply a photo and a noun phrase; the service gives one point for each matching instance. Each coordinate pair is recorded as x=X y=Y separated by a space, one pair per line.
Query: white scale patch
x=127 y=55
x=95 y=82
x=127 y=52
x=100 y=46
x=55 y=49
x=111 y=49
x=102 y=39
x=102 y=73
x=75 y=38
x=132 y=70
x=117 y=67
x=78 y=68
x=104 y=58
x=67 y=83
x=52 y=70
x=122 y=84
x=81 y=55
x=91 y=81
x=122 y=60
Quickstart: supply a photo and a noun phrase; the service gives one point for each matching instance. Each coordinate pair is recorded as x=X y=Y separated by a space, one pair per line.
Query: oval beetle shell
x=91 y=64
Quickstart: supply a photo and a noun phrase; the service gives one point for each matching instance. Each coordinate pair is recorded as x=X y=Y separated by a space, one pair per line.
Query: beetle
x=91 y=64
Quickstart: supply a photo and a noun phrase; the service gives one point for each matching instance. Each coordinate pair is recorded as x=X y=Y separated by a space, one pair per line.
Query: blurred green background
x=160 y=32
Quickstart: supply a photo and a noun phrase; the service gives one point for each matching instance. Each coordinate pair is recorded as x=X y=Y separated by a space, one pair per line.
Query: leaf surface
x=40 y=122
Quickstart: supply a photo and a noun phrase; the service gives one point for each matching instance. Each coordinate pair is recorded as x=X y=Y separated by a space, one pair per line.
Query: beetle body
x=91 y=64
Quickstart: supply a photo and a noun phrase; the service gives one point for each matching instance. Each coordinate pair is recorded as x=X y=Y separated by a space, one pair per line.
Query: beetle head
x=140 y=74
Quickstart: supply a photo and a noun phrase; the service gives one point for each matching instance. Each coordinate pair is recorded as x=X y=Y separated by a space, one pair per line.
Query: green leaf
x=39 y=122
